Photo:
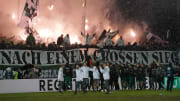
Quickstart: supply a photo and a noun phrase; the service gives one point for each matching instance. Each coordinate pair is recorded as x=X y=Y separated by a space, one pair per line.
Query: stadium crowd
x=63 y=42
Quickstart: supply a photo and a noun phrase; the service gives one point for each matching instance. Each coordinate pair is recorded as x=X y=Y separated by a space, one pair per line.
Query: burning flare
x=51 y=7
x=133 y=34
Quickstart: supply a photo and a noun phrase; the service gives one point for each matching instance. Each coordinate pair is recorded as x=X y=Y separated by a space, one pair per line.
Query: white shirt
x=109 y=42
x=85 y=71
x=60 y=75
x=96 y=74
x=106 y=73
x=88 y=39
x=100 y=44
x=79 y=75
x=66 y=40
x=120 y=42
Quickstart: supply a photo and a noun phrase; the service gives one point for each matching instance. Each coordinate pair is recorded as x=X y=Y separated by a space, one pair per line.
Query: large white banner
x=44 y=58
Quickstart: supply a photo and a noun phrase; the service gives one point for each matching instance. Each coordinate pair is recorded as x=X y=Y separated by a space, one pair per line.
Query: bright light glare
x=74 y=39
x=86 y=20
x=86 y=27
x=51 y=7
x=23 y=36
x=45 y=33
x=49 y=33
x=133 y=34
x=13 y=16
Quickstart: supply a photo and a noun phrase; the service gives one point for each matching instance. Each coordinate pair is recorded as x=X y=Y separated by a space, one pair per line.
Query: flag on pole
x=30 y=11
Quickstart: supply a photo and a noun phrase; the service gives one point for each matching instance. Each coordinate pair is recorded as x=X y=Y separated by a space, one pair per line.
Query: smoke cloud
x=58 y=17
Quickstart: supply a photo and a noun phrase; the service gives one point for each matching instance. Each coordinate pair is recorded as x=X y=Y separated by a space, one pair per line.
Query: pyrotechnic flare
x=133 y=34
x=51 y=7
x=13 y=16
